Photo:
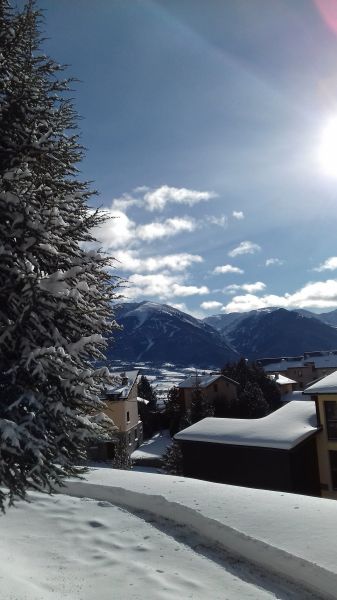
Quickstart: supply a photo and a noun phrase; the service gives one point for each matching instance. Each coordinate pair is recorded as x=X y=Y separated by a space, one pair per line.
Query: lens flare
x=327 y=150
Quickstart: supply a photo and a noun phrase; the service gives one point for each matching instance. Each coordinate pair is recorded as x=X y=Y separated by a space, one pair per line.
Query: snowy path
x=64 y=548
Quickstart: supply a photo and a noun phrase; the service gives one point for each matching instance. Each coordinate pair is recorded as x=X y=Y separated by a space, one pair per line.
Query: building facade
x=304 y=369
x=216 y=388
x=121 y=406
x=324 y=394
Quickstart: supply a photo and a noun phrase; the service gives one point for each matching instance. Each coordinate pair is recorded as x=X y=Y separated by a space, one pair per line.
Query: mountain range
x=159 y=333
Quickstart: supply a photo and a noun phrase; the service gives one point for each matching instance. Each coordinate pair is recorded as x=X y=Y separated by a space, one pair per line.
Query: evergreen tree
x=55 y=295
x=175 y=411
x=146 y=391
x=253 y=382
x=173 y=460
x=251 y=402
x=201 y=407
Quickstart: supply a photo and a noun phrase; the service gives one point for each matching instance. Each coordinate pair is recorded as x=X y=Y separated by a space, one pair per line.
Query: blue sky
x=204 y=124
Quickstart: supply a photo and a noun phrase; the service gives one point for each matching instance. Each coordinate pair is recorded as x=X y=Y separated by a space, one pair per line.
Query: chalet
x=276 y=452
x=214 y=387
x=324 y=394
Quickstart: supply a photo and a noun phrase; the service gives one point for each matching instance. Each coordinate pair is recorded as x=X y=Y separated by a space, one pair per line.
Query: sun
x=327 y=149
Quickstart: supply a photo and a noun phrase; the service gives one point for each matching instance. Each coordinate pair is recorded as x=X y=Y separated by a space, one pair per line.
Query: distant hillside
x=281 y=333
x=159 y=333
x=329 y=317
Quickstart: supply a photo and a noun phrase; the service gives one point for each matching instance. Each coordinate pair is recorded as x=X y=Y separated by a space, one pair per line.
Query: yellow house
x=122 y=407
x=214 y=387
x=324 y=393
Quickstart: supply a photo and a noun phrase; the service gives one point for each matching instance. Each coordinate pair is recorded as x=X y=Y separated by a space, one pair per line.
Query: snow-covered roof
x=328 y=360
x=327 y=385
x=283 y=429
x=282 y=365
x=282 y=379
x=321 y=360
x=121 y=390
x=203 y=381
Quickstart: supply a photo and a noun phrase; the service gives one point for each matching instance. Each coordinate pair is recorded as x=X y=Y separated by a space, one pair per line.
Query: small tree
x=201 y=406
x=173 y=460
x=55 y=294
x=175 y=411
x=146 y=391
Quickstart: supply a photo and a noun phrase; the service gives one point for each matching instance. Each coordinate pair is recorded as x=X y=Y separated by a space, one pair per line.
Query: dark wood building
x=277 y=452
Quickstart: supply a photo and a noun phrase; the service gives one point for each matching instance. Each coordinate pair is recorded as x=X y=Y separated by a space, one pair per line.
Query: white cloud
x=132 y=261
x=227 y=269
x=116 y=232
x=189 y=290
x=277 y=262
x=330 y=264
x=258 y=286
x=158 y=198
x=246 y=247
x=319 y=294
x=162 y=286
x=125 y=202
x=221 y=221
x=238 y=214
x=211 y=305
x=167 y=228
x=120 y=231
x=180 y=306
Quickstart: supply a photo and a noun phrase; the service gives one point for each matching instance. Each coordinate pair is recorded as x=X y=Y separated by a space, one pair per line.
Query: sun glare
x=327 y=151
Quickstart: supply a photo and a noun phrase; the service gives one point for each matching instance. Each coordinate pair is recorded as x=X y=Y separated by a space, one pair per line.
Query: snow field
x=65 y=548
x=287 y=535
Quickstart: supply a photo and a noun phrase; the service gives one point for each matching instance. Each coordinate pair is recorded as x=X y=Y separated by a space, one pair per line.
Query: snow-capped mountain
x=159 y=333
x=280 y=332
x=227 y=322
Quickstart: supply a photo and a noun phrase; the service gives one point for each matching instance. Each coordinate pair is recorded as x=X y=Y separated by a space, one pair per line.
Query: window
x=330 y=407
x=215 y=387
x=333 y=467
x=128 y=417
x=129 y=436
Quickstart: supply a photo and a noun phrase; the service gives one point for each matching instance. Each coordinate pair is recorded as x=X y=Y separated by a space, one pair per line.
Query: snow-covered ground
x=128 y=535
x=152 y=449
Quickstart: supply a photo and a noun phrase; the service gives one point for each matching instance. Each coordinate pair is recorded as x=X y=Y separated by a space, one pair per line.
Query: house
x=303 y=369
x=324 y=394
x=276 y=452
x=214 y=387
x=121 y=406
x=285 y=384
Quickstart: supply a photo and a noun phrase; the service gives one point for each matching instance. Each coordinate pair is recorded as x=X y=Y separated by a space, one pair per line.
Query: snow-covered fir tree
x=55 y=294
x=173 y=460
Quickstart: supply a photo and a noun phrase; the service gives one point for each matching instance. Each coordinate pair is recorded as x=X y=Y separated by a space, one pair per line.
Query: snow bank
x=286 y=534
